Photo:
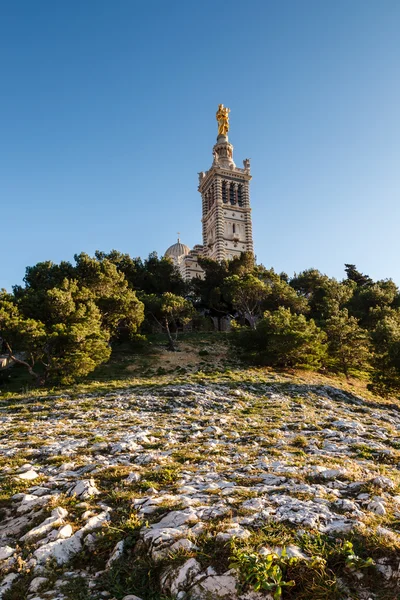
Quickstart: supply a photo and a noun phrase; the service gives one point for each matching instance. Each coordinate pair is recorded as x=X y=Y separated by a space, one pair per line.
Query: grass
x=218 y=366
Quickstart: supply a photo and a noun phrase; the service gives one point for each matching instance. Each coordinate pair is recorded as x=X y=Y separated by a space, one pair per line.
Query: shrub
x=282 y=339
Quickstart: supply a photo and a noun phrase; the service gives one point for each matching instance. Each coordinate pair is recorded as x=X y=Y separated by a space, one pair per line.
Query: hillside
x=183 y=476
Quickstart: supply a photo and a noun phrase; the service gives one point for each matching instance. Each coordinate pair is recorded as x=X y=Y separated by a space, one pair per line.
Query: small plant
x=263 y=572
x=300 y=441
x=203 y=352
x=353 y=561
x=163 y=476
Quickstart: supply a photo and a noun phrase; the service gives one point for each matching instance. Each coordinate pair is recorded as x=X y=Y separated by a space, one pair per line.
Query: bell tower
x=224 y=189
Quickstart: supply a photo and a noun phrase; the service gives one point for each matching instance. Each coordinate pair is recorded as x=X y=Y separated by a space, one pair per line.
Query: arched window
x=234 y=228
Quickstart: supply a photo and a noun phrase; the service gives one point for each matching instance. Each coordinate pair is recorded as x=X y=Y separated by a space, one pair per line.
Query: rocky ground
x=236 y=490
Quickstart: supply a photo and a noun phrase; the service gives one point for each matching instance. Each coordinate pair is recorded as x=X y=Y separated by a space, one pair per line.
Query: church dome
x=177 y=250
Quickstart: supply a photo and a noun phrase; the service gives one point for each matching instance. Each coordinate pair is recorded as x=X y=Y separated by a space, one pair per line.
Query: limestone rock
x=6 y=552
x=84 y=489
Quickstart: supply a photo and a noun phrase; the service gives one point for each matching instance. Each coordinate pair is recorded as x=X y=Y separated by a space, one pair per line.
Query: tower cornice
x=235 y=173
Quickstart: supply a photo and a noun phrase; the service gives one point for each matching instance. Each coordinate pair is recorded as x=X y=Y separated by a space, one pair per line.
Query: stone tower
x=227 y=228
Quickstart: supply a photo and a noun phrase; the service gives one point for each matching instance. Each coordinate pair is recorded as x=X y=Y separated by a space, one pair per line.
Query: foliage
x=283 y=339
x=262 y=572
x=353 y=561
x=60 y=324
x=107 y=286
x=154 y=275
x=324 y=295
x=348 y=344
x=168 y=309
x=386 y=358
x=247 y=294
x=70 y=344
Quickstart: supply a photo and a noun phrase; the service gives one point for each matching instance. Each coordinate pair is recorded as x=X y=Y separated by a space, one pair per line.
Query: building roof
x=177 y=250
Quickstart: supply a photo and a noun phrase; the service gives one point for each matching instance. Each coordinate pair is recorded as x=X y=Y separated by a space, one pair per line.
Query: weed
x=262 y=572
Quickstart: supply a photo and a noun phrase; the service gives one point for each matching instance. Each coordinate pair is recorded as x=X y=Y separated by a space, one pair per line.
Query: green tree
x=108 y=287
x=167 y=310
x=154 y=275
x=280 y=293
x=367 y=299
x=386 y=358
x=348 y=343
x=283 y=339
x=23 y=339
x=247 y=294
x=325 y=295
x=207 y=293
x=70 y=344
x=117 y=303
x=359 y=278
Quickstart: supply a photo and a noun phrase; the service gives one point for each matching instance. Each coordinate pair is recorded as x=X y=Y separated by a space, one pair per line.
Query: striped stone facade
x=227 y=229
x=226 y=212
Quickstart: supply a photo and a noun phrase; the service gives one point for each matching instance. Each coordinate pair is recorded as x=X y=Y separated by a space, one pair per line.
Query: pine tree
x=348 y=343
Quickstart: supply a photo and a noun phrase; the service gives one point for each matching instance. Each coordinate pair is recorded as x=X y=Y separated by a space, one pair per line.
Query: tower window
x=232 y=195
x=234 y=228
x=240 y=195
x=224 y=193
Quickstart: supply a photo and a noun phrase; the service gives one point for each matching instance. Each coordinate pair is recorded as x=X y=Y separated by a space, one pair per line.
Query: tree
x=207 y=293
x=325 y=295
x=117 y=303
x=247 y=294
x=348 y=344
x=168 y=309
x=108 y=289
x=280 y=293
x=386 y=358
x=23 y=339
x=283 y=339
x=70 y=344
x=354 y=275
x=368 y=298
x=154 y=275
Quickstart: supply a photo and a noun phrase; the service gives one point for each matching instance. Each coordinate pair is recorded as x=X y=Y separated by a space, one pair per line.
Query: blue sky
x=107 y=113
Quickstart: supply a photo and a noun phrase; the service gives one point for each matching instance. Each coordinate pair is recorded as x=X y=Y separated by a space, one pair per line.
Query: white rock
x=133 y=478
x=377 y=507
x=29 y=475
x=36 y=583
x=383 y=482
x=64 y=532
x=183 y=544
x=60 y=550
x=25 y=468
x=175 y=580
x=7 y=582
x=234 y=531
x=215 y=586
x=213 y=429
x=55 y=520
x=31 y=501
x=84 y=489
x=292 y=552
x=97 y=521
x=116 y=553
x=6 y=552
x=176 y=518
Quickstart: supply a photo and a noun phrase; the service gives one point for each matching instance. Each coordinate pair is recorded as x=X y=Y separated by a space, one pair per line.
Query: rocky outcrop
x=191 y=466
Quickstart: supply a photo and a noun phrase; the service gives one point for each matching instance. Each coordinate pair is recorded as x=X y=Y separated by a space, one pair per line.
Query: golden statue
x=223 y=119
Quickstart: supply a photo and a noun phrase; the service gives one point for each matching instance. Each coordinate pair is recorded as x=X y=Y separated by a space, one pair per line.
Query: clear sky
x=107 y=113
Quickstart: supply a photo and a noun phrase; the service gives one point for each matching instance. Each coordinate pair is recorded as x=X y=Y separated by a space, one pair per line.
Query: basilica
x=226 y=212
